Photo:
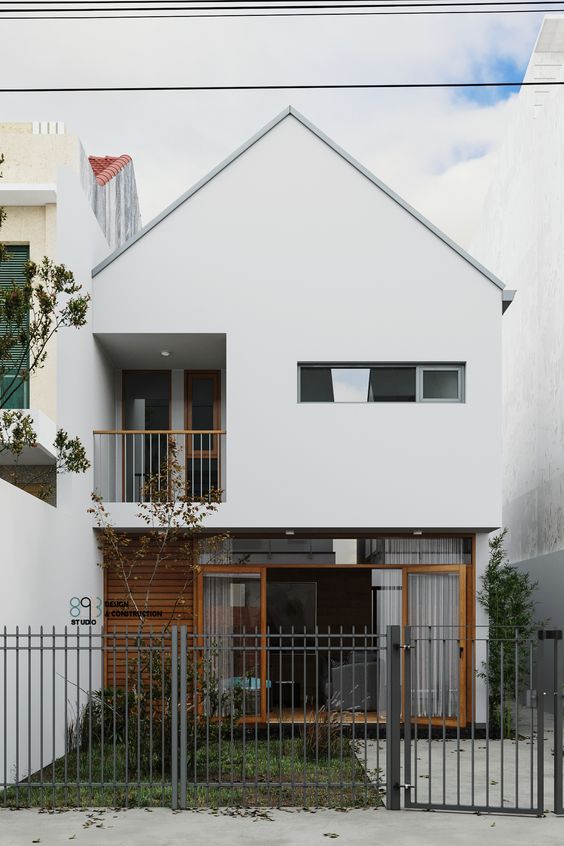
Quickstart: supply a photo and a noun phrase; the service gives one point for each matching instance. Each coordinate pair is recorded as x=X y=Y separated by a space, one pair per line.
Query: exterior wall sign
x=84 y=610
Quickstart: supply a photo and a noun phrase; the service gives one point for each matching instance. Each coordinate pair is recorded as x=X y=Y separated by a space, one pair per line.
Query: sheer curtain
x=445 y=550
x=218 y=628
x=434 y=616
x=387 y=587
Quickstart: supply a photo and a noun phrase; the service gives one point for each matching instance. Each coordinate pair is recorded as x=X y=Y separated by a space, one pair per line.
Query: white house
x=344 y=357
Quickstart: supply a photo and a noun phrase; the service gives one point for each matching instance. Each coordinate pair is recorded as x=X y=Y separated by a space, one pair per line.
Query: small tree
x=506 y=594
x=175 y=531
x=31 y=314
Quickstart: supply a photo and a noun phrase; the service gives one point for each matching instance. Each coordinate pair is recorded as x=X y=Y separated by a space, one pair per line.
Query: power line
x=284 y=87
x=273 y=8
x=237 y=5
x=84 y=16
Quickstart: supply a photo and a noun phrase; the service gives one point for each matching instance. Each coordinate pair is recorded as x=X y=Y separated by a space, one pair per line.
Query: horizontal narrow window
x=381 y=382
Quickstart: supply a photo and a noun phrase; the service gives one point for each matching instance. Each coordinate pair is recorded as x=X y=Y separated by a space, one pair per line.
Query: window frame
x=420 y=368
x=457 y=368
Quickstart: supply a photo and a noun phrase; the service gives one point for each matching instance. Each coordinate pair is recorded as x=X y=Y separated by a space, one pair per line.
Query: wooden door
x=434 y=606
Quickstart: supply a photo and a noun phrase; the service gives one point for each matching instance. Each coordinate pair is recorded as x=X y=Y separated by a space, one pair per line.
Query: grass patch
x=243 y=771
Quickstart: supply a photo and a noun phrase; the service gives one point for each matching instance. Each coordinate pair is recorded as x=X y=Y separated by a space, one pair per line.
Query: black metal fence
x=484 y=748
x=172 y=718
x=429 y=717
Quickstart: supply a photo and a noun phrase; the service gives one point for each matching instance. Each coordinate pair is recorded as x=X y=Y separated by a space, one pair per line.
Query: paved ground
x=493 y=774
x=162 y=827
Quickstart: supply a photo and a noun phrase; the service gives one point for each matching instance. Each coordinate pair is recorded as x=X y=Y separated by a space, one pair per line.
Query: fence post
x=540 y=722
x=393 y=714
x=183 y=700
x=174 y=714
x=408 y=644
x=557 y=711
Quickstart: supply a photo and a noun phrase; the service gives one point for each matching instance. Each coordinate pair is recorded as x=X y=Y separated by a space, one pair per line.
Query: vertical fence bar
x=126 y=706
x=90 y=713
x=102 y=707
x=540 y=723
x=29 y=714
x=393 y=707
x=183 y=727
x=557 y=712
x=407 y=715
x=174 y=715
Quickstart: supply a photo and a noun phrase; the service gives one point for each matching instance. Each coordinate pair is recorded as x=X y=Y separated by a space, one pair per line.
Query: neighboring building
x=521 y=239
x=33 y=155
x=350 y=356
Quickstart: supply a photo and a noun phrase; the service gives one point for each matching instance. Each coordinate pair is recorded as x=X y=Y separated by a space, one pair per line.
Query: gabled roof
x=106 y=167
x=290 y=111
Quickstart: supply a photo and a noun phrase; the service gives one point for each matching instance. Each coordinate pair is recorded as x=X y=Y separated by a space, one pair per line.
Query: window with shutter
x=13 y=271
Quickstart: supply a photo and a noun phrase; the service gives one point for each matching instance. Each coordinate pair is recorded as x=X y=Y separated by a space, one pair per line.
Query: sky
x=436 y=148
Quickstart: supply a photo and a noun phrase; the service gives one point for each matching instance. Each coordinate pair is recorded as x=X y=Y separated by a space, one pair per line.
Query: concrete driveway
x=162 y=827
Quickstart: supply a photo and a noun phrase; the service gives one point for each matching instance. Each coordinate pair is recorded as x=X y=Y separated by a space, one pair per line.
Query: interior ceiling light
x=417 y=532
x=290 y=532
x=165 y=353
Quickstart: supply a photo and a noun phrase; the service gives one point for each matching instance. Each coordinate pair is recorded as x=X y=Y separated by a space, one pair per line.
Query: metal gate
x=484 y=742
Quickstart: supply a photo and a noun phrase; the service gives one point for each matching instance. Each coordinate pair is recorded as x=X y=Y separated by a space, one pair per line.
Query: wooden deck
x=296 y=716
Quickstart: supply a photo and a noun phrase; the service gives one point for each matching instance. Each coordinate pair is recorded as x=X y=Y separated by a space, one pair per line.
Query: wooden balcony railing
x=130 y=465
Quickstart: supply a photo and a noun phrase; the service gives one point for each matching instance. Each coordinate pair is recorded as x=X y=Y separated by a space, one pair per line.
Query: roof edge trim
x=396 y=197
x=290 y=110
x=193 y=190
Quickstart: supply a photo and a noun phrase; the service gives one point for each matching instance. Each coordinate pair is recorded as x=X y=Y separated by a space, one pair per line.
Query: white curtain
x=415 y=550
x=218 y=628
x=387 y=585
x=434 y=616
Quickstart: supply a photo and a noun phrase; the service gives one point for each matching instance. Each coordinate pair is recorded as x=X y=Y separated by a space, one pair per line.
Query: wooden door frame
x=228 y=570
x=189 y=375
x=467 y=588
x=459 y=570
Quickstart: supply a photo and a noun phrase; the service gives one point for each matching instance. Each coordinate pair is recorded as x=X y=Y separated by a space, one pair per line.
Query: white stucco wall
x=297 y=256
x=48 y=555
x=521 y=239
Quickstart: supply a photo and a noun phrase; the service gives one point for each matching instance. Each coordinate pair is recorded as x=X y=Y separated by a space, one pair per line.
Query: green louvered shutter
x=13 y=271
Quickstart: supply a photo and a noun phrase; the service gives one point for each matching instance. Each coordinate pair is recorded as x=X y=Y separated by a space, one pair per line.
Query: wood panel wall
x=171 y=601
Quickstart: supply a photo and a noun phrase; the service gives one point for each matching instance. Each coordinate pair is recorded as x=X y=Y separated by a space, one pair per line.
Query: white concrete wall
x=521 y=240
x=298 y=257
x=48 y=555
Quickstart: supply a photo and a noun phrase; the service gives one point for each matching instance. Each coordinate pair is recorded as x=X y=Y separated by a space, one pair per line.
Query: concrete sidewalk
x=162 y=827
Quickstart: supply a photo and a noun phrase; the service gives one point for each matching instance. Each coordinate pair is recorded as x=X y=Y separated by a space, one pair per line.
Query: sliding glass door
x=233 y=653
x=433 y=602
x=435 y=611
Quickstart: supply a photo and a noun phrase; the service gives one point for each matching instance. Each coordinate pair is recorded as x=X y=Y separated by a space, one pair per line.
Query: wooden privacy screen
x=171 y=601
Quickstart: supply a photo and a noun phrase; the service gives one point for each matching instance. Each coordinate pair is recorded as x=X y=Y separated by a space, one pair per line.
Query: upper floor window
x=14 y=362
x=353 y=382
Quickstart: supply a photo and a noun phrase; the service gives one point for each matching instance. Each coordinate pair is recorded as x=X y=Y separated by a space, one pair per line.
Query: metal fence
x=134 y=466
x=431 y=718
x=484 y=749
x=173 y=718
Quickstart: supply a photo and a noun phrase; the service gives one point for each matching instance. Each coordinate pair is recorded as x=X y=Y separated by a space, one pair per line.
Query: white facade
x=521 y=239
x=295 y=255
x=291 y=252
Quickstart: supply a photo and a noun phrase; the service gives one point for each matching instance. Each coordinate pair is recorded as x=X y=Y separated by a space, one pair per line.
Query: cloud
x=433 y=147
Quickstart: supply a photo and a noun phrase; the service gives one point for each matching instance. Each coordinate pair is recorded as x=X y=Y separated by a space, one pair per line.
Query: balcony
x=135 y=465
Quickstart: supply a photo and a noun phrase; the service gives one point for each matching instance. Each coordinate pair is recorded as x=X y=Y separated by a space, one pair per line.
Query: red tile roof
x=106 y=167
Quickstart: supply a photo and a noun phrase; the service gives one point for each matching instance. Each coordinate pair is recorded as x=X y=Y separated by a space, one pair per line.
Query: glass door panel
x=435 y=605
x=146 y=408
x=387 y=595
x=203 y=414
x=232 y=647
